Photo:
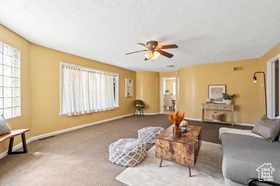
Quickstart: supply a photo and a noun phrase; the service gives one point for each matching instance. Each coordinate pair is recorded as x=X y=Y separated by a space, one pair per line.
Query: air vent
x=170 y=66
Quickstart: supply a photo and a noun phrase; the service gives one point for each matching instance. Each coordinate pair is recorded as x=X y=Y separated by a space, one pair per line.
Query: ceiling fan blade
x=169 y=46
x=166 y=54
x=142 y=44
x=135 y=52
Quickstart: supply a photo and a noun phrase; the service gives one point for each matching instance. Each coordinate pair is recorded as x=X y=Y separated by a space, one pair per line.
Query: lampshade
x=149 y=54
x=156 y=54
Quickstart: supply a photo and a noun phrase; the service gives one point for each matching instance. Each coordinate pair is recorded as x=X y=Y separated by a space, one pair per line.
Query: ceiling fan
x=154 y=49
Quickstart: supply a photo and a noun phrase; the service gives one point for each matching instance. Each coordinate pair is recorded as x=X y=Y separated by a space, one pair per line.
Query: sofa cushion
x=243 y=154
x=4 y=126
x=268 y=128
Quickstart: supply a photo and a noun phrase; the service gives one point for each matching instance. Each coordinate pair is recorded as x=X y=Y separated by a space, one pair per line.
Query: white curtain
x=85 y=90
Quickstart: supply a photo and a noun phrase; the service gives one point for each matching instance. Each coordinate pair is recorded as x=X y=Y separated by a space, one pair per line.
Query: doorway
x=167 y=94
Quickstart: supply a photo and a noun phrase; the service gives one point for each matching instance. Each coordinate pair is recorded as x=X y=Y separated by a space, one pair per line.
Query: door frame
x=162 y=88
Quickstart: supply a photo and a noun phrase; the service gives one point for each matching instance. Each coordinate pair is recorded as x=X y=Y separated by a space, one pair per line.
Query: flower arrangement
x=176 y=118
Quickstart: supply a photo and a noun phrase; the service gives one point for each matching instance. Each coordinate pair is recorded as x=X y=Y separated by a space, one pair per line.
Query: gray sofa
x=244 y=154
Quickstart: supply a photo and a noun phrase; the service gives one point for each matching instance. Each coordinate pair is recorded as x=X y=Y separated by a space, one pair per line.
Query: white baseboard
x=54 y=133
x=15 y=148
x=3 y=154
x=151 y=114
x=222 y=122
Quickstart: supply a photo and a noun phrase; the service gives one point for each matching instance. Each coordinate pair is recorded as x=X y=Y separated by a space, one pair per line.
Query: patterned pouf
x=148 y=134
x=127 y=152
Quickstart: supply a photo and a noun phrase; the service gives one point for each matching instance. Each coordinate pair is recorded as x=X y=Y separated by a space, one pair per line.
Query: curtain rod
x=89 y=68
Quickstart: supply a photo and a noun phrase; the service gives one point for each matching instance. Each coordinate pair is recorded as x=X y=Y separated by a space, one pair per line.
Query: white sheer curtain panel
x=85 y=90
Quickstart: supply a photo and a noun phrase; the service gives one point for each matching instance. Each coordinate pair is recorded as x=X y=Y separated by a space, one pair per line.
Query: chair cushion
x=4 y=126
x=268 y=128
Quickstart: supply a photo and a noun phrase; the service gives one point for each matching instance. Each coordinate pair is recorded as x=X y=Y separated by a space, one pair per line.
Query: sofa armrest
x=224 y=130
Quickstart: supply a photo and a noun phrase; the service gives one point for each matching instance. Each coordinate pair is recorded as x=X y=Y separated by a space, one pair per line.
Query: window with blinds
x=10 y=102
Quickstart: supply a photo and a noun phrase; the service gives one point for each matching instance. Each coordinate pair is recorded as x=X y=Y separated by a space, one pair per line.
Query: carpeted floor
x=80 y=158
x=207 y=170
x=210 y=130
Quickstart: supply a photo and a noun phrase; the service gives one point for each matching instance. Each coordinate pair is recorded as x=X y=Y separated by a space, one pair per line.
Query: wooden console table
x=183 y=150
x=217 y=107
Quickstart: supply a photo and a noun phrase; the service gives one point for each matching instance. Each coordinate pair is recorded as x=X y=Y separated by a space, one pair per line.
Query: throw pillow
x=4 y=126
x=267 y=128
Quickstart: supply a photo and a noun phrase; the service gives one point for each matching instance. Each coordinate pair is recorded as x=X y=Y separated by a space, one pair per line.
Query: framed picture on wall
x=215 y=93
x=128 y=88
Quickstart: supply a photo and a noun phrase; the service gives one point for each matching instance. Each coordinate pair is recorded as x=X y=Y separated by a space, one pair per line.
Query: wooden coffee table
x=183 y=150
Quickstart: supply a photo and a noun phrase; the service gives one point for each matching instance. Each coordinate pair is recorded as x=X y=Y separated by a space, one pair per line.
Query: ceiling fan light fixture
x=149 y=55
x=156 y=54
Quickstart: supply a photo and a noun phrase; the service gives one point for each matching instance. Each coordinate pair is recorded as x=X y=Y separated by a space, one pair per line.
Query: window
x=86 y=90
x=273 y=92
x=10 y=103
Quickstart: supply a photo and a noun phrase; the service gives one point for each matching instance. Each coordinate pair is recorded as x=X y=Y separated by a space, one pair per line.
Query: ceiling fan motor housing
x=152 y=45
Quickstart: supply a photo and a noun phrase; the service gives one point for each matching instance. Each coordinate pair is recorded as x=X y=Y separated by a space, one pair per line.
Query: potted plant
x=228 y=98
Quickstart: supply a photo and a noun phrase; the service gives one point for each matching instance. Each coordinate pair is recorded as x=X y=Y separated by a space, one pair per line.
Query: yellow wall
x=147 y=89
x=168 y=74
x=24 y=46
x=194 y=81
x=45 y=90
x=40 y=88
x=271 y=53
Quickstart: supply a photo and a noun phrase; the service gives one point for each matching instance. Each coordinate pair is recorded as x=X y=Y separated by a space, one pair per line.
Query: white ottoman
x=148 y=134
x=127 y=152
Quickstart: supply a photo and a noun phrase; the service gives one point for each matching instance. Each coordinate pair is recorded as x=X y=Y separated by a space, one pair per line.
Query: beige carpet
x=80 y=158
x=207 y=171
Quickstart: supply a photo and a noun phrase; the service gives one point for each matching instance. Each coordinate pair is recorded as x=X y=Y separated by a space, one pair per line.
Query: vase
x=228 y=101
x=176 y=131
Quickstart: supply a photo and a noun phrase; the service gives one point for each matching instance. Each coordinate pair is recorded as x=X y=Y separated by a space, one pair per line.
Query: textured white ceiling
x=104 y=30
